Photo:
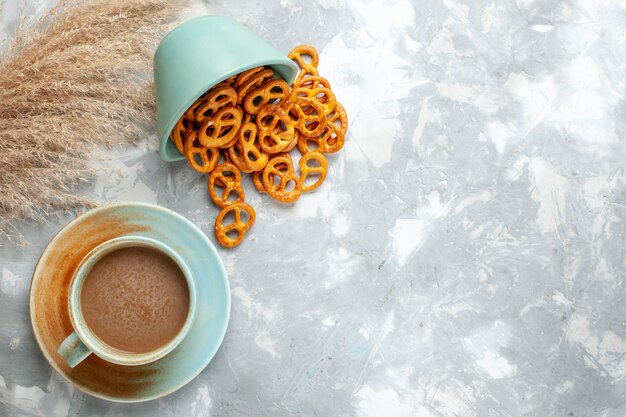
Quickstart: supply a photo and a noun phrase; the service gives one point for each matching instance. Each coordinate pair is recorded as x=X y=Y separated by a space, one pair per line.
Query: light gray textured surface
x=465 y=256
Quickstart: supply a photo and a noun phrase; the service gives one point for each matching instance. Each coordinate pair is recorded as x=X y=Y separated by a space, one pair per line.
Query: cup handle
x=73 y=350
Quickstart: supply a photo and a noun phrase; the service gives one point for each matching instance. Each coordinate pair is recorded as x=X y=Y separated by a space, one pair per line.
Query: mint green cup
x=198 y=54
x=82 y=342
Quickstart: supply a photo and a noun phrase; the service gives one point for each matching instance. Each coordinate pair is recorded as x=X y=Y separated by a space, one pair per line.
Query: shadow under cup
x=131 y=301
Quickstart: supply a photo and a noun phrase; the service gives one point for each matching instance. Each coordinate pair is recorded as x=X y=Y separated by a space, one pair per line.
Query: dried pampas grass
x=79 y=77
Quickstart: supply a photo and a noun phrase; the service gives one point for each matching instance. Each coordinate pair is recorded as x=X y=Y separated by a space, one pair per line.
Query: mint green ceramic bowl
x=199 y=54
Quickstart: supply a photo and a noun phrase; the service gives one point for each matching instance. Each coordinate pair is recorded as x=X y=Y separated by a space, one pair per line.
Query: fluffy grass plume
x=78 y=77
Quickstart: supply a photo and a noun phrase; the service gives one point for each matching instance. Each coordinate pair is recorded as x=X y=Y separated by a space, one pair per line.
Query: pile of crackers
x=249 y=123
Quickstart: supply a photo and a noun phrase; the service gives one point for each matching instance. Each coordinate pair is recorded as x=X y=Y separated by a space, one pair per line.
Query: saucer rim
x=169 y=212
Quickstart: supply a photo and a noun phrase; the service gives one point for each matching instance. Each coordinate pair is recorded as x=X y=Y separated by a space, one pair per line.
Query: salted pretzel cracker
x=300 y=51
x=258 y=182
x=294 y=141
x=177 y=135
x=333 y=136
x=308 y=116
x=246 y=152
x=221 y=130
x=312 y=81
x=306 y=169
x=257 y=179
x=235 y=152
x=321 y=94
x=247 y=118
x=228 y=82
x=307 y=69
x=191 y=111
x=223 y=158
x=244 y=76
x=254 y=81
x=306 y=72
x=271 y=91
x=239 y=226
x=193 y=149
x=215 y=100
x=281 y=168
x=230 y=180
x=276 y=129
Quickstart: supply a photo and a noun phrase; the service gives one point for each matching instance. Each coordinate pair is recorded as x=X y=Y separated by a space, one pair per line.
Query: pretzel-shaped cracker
x=306 y=170
x=177 y=135
x=223 y=158
x=330 y=141
x=270 y=91
x=230 y=180
x=305 y=73
x=299 y=51
x=332 y=138
x=257 y=179
x=276 y=129
x=281 y=167
x=239 y=226
x=228 y=82
x=221 y=130
x=247 y=118
x=244 y=76
x=322 y=95
x=208 y=156
x=308 y=116
x=258 y=182
x=312 y=81
x=235 y=152
x=246 y=151
x=294 y=142
x=216 y=99
x=191 y=111
x=255 y=80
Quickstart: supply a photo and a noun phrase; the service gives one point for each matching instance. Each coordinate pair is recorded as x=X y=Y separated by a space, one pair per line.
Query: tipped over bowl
x=197 y=55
